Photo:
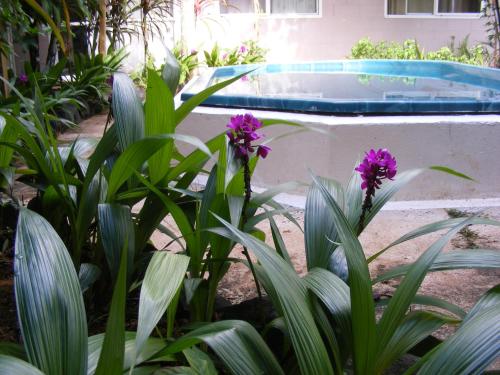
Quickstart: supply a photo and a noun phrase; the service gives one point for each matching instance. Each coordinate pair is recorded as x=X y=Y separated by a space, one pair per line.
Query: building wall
x=331 y=35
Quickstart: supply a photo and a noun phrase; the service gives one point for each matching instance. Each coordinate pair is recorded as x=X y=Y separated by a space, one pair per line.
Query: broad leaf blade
x=117 y=230
x=139 y=152
x=471 y=349
x=415 y=328
x=362 y=306
x=319 y=227
x=451 y=260
x=12 y=365
x=127 y=111
x=159 y=108
x=171 y=72
x=163 y=278
x=237 y=344
x=290 y=289
x=112 y=355
x=49 y=301
x=396 y=310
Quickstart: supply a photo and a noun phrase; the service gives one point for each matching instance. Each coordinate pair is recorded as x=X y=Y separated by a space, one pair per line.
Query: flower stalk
x=375 y=167
x=243 y=131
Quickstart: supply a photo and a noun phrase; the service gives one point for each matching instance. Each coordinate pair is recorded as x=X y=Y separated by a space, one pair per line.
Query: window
x=433 y=7
x=286 y=7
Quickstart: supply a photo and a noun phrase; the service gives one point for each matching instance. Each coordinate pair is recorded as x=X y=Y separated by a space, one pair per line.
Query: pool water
x=357 y=86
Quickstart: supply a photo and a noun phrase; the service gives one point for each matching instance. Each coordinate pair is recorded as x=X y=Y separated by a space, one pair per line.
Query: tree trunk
x=102 y=27
x=69 y=36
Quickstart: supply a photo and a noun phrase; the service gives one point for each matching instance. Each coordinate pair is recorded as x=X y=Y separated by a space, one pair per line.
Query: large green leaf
x=139 y=152
x=200 y=361
x=490 y=298
x=451 y=260
x=335 y=295
x=402 y=299
x=430 y=301
x=12 y=365
x=292 y=293
x=117 y=230
x=430 y=228
x=237 y=344
x=160 y=116
x=319 y=226
x=152 y=346
x=111 y=358
x=49 y=301
x=88 y=274
x=7 y=134
x=127 y=111
x=362 y=306
x=471 y=349
x=414 y=328
x=171 y=72
x=161 y=282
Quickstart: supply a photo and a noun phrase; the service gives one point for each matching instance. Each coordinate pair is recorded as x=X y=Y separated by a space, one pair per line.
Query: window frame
x=267 y=12
x=435 y=14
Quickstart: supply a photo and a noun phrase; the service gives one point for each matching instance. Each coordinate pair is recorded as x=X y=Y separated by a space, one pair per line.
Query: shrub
x=410 y=50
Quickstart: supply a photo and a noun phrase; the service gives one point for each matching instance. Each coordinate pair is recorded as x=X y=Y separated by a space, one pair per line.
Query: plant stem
x=367 y=205
x=248 y=195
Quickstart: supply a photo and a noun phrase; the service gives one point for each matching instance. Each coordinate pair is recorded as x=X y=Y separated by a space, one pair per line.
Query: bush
x=410 y=50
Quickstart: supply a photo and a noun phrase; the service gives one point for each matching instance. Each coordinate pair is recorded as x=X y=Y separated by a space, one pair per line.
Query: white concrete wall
x=332 y=34
x=467 y=143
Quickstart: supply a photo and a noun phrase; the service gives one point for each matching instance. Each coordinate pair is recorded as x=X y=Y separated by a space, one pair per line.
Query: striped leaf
x=159 y=108
x=451 y=260
x=127 y=111
x=236 y=343
x=290 y=289
x=396 y=309
x=49 y=301
x=362 y=306
x=111 y=358
x=163 y=278
x=116 y=229
x=471 y=349
x=12 y=365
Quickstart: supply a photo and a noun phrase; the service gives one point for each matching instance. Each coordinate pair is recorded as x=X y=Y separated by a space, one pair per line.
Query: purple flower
x=23 y=78
x=243 y=131
x=243 y=48
x=262 y=151
x=376 y=166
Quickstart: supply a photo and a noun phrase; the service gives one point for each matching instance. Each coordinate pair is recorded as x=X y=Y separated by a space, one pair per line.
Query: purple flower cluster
x=376 y=166
x=243 y=132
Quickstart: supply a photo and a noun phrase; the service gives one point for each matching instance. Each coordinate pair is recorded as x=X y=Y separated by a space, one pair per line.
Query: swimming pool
x=356 y=87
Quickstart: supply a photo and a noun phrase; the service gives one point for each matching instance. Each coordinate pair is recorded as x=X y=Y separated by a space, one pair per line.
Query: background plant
x=410 y=50
x=491 y=11
x=247 y=53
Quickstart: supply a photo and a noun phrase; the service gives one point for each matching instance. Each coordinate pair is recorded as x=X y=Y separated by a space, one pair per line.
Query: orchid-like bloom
x=243 y=48
x=23 y=78
x=376 y=166
x=243 y=131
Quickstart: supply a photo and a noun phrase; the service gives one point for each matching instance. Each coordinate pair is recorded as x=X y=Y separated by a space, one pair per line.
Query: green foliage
x=248 y=52
x=69 y=91
x=188 y=62
x=410 y=50
x=491 y=12
x=99 y=202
